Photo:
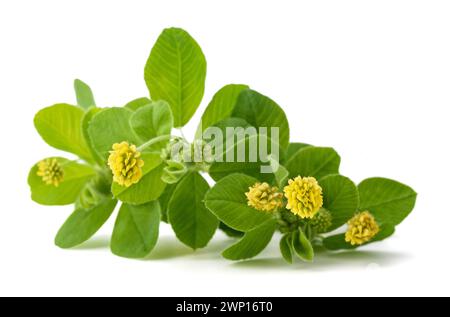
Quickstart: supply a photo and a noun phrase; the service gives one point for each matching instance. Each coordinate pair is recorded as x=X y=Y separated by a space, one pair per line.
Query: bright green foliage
x=252 y=243
x=388 y=200
x=286 y=247
x=302 y=246
x=340 y=198
x=85 y=97
x=192 y=222
x=228 y=202
x=136 y=230
x=159 y=183
x=60 y=126
x=84 y=223
x=313 y=161
x=222 y=105
x=261 y=111
x=176 y=72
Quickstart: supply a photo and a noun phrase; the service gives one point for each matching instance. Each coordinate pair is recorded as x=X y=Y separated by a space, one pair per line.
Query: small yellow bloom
x=361 y=228
x=262 y=196
x=125 y=163
x=304 y=196
x=50 y=171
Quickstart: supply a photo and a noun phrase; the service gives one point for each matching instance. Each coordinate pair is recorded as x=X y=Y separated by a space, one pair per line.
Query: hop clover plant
x=130 y=156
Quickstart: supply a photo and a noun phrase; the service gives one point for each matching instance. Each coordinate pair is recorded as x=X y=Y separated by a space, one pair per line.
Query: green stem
x=154 y=141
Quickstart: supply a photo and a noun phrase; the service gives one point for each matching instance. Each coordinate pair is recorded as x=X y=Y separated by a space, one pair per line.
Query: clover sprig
x=124 y=155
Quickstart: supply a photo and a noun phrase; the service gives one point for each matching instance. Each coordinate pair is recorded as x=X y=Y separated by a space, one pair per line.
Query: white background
x=370 y=78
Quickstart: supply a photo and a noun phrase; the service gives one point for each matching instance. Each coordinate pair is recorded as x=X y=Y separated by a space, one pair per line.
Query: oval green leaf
x=136 y=230
x=111 y=126
x=176 y=72
x=137 y=103
x=192 y=222
x=82 y=224
x=313 y=161
x=261 y=111
x=253 y=242
x=340 y=198
x=60 y=126
x=221 y=106
x=85 y=97
x=388 y=200
x=152 y=120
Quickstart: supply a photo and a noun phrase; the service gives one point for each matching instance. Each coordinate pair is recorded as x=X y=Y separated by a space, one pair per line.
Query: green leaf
x=388 y=200
x=152 y=120
x=164 y=200
x=219 y=142
x=85 y=98
x=149 y=187
x=222 y=105
x=245 y=165
x=294 y=147
x=76 y=175
x=137 y=103
x=136 y=230
x=302 y=246
x=260 y=111
x=286 y=248
x=313 y=161
x=230 y=232
x=192 y=222
x=84 y=223
x=111 y=126
x=340 y=198
x=176 y=72
x=253 y=242
x=337 y=242
x=60 y=126
x=228 y=202
x=84 y=129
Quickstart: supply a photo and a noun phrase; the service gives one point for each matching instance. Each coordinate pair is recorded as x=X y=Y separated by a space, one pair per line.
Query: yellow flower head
x=322 y=221
x=361 y=228
x=304 y=196
x=50 y=171
x=125 y=163
x=264 y=197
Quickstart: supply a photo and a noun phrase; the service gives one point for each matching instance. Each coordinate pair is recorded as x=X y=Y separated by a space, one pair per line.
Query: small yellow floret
x=50 y=171
x=264 y=197
x=125 y=163
x=304 y=196
x=361 y=228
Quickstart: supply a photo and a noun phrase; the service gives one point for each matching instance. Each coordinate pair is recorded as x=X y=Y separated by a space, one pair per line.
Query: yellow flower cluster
x=264 y=197
x=361 y=228
x=50 y=171
x=125 y=163
x=304 y=196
